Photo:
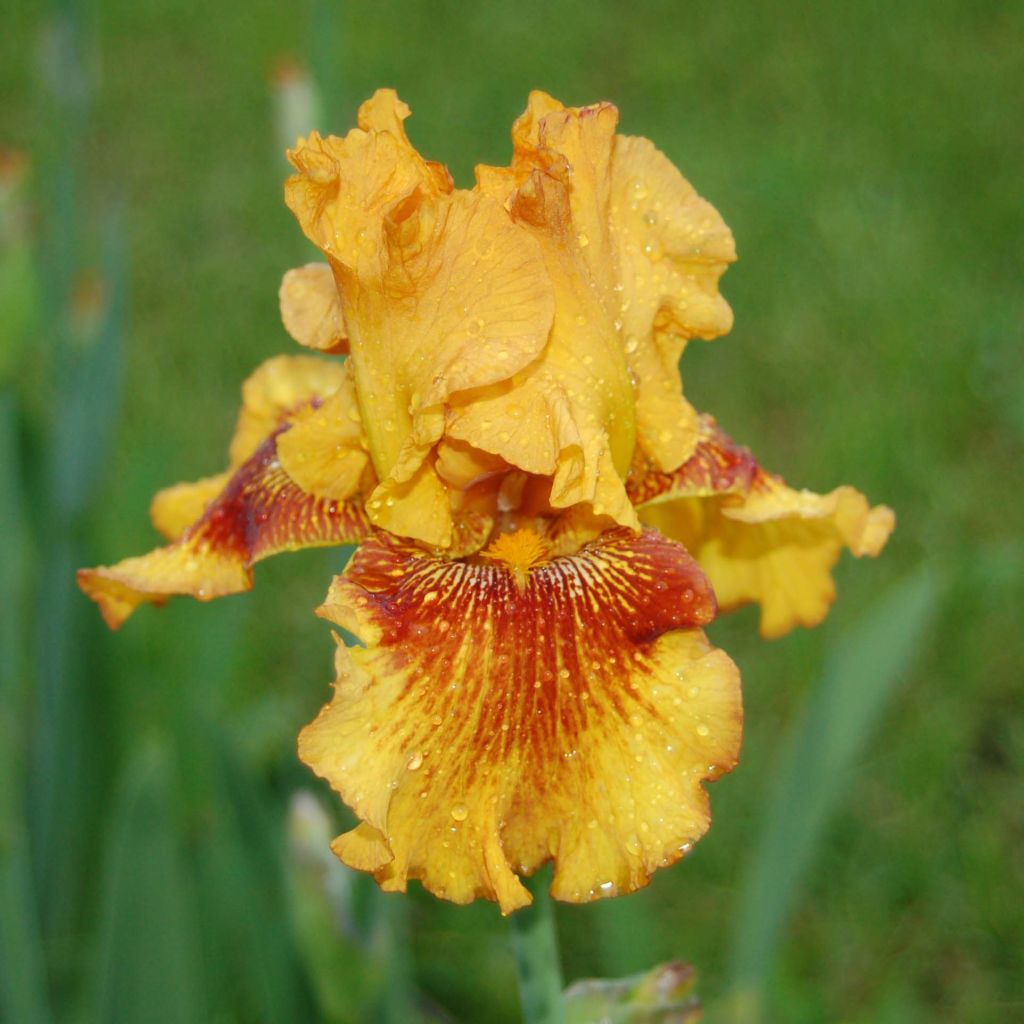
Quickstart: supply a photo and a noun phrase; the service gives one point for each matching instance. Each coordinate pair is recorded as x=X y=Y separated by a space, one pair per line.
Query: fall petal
x=222 y=525
x=758 y=539
x=261 y=512
x=507 y=712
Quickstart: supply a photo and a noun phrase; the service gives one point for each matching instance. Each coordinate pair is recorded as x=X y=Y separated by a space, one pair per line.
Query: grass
x=866 y=158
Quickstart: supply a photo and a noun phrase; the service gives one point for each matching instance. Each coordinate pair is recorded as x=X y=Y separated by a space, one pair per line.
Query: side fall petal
x=756 y=538
x=512 y=710
x=222 y=525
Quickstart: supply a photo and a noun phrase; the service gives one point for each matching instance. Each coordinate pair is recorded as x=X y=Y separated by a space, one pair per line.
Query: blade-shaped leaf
x=866 y=665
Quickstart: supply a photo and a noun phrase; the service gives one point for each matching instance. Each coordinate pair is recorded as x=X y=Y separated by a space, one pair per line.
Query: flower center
x=520 y=551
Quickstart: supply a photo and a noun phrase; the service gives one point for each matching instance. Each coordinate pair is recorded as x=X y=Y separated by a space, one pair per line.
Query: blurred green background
x=162 y=852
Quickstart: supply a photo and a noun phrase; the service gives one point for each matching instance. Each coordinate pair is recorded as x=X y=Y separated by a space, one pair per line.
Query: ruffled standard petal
x=221 y=526
x=311 y=308
x=442 y=293
x=671 y=248
x=513 y=710
x=757 y=539
x=655 y=251
x=570 y=414
x=467 y=305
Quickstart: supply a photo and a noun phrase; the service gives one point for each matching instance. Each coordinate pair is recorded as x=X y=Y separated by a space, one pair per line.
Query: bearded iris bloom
x=545 y=524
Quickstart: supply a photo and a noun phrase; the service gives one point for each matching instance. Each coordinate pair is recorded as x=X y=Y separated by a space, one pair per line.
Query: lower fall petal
x=756 y=538
x=502 y=715
x=259 y=513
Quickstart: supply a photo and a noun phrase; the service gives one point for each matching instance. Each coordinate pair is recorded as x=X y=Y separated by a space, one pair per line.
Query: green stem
x=535 y=944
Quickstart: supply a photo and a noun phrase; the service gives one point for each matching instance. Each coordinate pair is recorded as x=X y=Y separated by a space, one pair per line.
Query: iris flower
x=545 y=524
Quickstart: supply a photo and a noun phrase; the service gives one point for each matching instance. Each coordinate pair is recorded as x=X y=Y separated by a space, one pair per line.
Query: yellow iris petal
x=253 y=510
x=324 y=450
x=449 y=295
x=654 y=248
x=502 y=715
x=757 y=539
x=311 y=308
x=570 y=414
x=174 y=509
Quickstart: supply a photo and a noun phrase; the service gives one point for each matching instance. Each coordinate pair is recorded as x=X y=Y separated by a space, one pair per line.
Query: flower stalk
x=538 y=965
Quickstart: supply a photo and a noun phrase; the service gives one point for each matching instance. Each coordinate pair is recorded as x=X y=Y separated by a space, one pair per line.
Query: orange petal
x=311 y=308
x=654 y=250
x=757 y=539
x=569 y=415
x=502 y=715
x=324 y=452
x=670 y=248
x=223 y=524
x=259 y=513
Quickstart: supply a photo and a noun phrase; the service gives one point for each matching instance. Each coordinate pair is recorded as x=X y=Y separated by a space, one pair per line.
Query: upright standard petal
x=654 y=248
x=757 y=539
x=311 y=308
x=442 y=294
x=254 y=510
x=570 y=415
x=516 y=709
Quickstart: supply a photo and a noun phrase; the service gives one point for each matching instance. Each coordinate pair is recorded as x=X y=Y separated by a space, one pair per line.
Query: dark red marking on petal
x=718 y=466
x=576 y=630
x=260 y=512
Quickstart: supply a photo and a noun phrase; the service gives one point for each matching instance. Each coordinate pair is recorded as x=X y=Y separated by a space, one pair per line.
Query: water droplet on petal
x=460 y=812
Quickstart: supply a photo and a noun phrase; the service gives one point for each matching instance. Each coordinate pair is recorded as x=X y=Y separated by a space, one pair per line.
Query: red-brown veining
x=262 y=511
x=530 y=665
x=718 y=466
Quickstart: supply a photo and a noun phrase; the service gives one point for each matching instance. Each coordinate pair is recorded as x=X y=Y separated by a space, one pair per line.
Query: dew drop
x=633 y=845
x=415 y=760
x=702 y=729
x=460 y=812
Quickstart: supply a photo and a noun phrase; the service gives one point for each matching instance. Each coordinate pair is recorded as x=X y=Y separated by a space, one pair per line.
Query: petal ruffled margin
x=246 y=514
x=756 y=538
x=500 y=717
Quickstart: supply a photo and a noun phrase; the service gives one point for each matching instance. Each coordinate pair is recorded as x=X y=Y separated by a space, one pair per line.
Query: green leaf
x=149 y=969
x=866 y=665
x=354 y=939
x=22 y=986
x=244 y=902
x=663 y=995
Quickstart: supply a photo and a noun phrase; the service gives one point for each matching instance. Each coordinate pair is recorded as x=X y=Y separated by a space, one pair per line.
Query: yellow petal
x=174 y=509
x=654 y=248
x=569 y=415
x=323 y=451
x=253 y=510
x=278 y=388
x=345 y=188
x=503 y=715
x=311 y=308
x=757 y=539
x=670 y=248
x=259 y=513
x=466 y=303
